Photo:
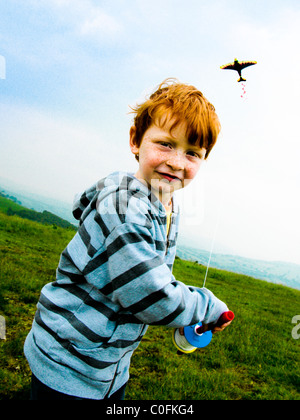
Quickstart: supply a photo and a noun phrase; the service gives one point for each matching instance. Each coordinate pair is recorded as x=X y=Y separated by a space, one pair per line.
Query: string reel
x=194 y=338
x=191 y=340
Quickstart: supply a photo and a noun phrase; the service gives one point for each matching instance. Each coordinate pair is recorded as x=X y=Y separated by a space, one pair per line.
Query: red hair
x=180 y=103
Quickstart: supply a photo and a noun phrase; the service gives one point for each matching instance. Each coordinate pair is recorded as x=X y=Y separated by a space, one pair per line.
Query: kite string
x=214 y=236
x=211 y=249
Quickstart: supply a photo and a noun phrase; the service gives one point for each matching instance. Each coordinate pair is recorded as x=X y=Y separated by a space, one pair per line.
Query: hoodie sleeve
x=143 y=284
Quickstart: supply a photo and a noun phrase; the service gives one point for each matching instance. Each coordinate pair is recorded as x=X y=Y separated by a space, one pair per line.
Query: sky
x=71 y=69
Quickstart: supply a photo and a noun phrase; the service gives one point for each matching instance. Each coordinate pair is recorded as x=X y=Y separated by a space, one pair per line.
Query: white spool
x=181 y=342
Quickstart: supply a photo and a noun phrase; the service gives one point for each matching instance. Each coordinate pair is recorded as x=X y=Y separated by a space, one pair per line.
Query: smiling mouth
x=169 y=177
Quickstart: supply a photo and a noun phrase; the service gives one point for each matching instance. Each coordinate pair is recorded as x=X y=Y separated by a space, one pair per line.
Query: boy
x=115 y=276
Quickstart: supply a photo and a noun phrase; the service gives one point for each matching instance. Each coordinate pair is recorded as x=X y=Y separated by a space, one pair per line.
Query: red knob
x=225 y=317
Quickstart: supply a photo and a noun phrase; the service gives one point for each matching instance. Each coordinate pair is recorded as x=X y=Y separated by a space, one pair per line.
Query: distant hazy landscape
x=278 y=272
x=38 y=202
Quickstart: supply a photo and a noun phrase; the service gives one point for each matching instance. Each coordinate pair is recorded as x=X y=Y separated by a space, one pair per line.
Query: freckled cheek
x=154 y=159
x=158 y=157
x=190 y=172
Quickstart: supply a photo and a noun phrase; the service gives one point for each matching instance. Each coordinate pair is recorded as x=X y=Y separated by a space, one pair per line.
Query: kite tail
x=243 y=95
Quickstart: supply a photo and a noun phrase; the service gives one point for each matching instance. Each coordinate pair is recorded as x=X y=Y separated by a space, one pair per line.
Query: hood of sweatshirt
x=88 y=200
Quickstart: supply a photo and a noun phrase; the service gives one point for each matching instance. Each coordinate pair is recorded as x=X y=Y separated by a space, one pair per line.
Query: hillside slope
x=12 y=206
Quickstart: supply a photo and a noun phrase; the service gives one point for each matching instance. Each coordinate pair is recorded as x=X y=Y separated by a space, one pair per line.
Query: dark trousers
x=42 y=392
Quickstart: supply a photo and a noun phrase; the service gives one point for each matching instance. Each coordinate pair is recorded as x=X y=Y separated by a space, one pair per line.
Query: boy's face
x=167 y=162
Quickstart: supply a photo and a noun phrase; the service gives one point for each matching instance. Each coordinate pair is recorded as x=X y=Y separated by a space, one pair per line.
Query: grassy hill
x=255 y=358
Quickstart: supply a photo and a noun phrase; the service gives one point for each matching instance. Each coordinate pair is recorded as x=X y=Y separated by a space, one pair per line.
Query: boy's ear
x=132 y=140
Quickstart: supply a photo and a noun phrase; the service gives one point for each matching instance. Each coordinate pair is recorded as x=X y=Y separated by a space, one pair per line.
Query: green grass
x=255 y=358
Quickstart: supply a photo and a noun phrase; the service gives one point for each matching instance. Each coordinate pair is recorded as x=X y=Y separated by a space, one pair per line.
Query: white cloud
x=99 y=23
x=85 y=18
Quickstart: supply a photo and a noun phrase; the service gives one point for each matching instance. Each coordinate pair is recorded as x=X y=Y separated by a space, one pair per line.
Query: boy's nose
x=176 y=162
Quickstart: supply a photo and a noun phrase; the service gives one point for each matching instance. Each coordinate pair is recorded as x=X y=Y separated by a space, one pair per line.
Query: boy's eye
x=194 y=154
x=165 y=144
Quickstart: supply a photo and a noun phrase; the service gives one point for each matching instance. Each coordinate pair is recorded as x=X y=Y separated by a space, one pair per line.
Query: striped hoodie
x=113 y=280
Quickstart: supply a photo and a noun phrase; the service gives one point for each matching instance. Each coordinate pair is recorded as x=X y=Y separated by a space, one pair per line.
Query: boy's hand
x=181 y=331
x=224 y=320
x=215 y=329
x=207 y=327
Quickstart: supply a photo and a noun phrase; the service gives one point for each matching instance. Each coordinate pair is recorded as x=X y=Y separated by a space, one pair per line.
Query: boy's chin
x=168 y=188
x=165 y=188
x=172 y=186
